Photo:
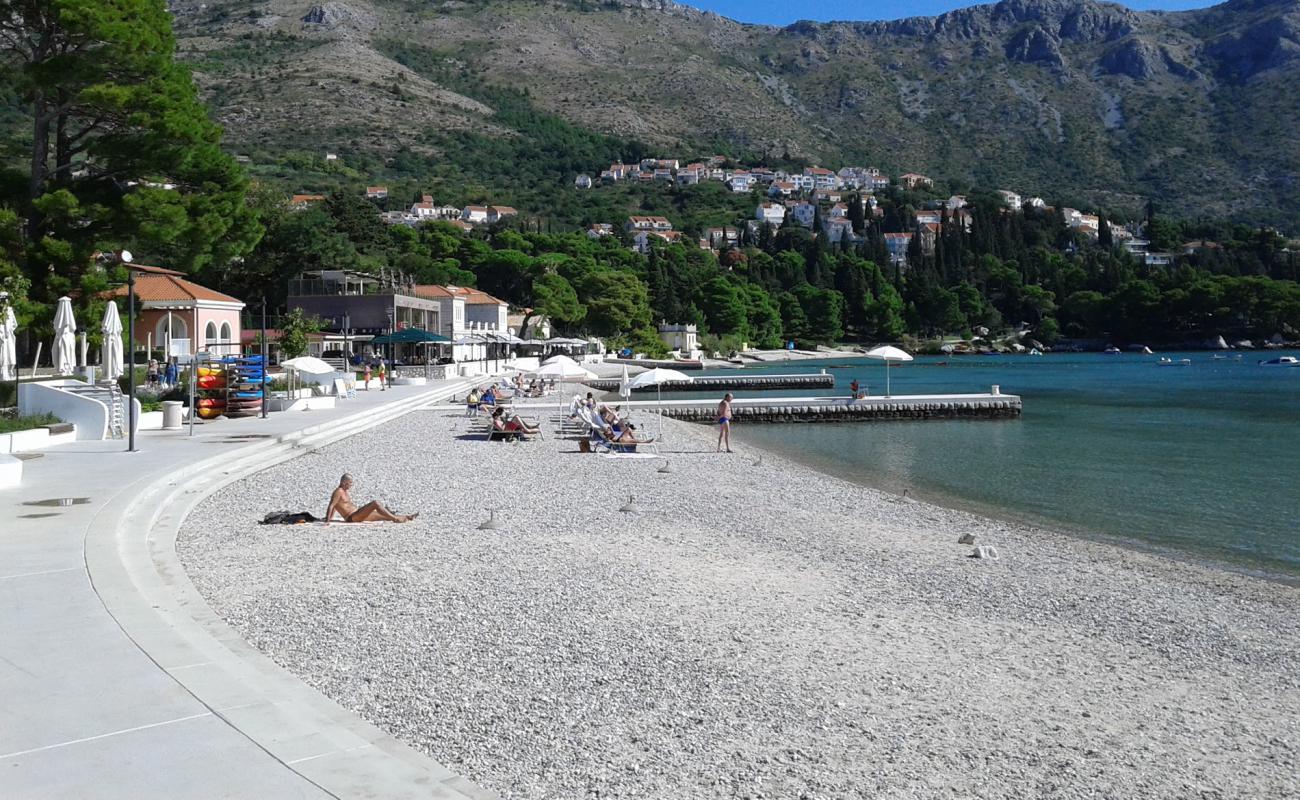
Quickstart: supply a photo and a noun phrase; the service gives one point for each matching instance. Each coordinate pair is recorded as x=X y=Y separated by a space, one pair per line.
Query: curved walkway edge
x=244 y=726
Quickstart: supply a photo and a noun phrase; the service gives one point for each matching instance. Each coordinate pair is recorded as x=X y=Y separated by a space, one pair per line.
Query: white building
x=1010 y=198
x=683 y=340
x=770 y=213
x=804 y=214
x=582 y=182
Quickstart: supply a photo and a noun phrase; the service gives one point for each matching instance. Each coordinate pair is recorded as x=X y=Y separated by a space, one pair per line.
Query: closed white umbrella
x=111 y=348
x=887 y=354
x=64 y=353
x=657 y=377
x=8 y=345
x=624 y=390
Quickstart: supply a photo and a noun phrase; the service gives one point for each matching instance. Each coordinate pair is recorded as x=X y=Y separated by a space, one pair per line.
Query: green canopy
x=409 y=336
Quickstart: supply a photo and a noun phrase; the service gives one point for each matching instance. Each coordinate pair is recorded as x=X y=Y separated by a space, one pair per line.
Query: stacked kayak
x=246 y=377
x=210 y=391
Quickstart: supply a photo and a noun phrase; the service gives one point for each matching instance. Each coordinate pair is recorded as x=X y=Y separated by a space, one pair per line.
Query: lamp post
x=265 y=361
x=124 y=257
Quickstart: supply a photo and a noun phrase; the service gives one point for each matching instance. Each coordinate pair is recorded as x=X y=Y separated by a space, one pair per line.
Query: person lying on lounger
x=341 y=503
x=512 y=424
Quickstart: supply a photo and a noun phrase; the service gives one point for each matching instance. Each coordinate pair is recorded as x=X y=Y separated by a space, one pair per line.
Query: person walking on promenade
x=383 y=376
x=367 y=377
x=724 y=422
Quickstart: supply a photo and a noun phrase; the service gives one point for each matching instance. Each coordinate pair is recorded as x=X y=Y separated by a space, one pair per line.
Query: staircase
x=108 y=393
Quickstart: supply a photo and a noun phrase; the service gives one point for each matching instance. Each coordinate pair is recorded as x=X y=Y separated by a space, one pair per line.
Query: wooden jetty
x=729 y=383
x=844 y=409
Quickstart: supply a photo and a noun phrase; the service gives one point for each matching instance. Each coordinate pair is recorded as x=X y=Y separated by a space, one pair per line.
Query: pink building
x=172 y=311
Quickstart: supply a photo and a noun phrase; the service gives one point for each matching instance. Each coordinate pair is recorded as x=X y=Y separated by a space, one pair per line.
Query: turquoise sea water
x=1202 y=461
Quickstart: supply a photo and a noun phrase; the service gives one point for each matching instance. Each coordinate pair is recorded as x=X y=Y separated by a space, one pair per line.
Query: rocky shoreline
x=754 y=629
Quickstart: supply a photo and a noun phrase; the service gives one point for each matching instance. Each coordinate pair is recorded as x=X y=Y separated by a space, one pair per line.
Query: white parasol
x=8 y=345
x=657 y=377
x=889 y=354
x=111 y=349
x=64 y=352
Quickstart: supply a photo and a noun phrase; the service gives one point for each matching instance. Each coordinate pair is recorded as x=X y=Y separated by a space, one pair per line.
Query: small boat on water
x=1035 y=352
x=1112 y=351
x=1281 y=361
x=1165 y=361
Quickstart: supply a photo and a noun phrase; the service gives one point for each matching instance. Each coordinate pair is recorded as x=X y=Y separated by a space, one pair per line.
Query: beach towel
x=289 y=518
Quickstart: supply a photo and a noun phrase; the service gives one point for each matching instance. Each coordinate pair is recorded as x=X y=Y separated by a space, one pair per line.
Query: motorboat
x=1281 y=361
x=1112 y=351
x=1035 y=352
x=1165 y=361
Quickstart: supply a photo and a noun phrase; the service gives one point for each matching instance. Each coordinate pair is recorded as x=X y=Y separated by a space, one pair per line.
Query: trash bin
x=171 y=415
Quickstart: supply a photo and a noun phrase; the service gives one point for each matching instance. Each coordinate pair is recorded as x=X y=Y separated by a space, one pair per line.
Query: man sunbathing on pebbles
x=341 y=503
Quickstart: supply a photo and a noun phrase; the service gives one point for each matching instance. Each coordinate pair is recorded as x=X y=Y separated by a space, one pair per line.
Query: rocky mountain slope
x=1076 y=99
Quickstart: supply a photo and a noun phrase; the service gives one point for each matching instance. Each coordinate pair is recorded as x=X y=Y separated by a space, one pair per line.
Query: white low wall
x=89 y=415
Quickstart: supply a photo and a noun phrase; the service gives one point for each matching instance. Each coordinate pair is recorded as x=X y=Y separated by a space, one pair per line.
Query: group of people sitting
x=606 y=426
x=534 y=387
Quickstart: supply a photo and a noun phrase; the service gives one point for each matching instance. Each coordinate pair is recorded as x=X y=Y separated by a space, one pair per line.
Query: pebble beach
x=752 y=629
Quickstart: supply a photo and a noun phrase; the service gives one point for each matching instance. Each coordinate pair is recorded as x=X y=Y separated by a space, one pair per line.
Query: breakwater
x=843 y=409
x=732 y=383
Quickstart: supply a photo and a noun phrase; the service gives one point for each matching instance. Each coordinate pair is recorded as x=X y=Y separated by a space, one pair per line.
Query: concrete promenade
x=117 y=680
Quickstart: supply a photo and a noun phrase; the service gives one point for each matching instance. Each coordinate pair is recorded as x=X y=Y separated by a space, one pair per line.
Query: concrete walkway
x=117 y=680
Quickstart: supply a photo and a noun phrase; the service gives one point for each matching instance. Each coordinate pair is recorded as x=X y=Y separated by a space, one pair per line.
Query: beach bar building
x=178 y=316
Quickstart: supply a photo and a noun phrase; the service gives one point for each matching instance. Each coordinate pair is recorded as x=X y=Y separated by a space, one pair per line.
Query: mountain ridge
x=1081 y=98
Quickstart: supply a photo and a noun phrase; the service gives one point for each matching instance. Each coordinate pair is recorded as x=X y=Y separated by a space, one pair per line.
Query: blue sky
x=783 y=12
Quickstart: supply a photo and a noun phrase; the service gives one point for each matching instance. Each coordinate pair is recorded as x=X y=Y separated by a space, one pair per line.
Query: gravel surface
x=756 y=629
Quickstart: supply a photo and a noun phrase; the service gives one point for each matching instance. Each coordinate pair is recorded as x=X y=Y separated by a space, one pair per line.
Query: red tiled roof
x=158 y=285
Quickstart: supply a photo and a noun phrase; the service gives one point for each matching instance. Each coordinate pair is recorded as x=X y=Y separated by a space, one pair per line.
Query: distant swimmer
x=341 y=503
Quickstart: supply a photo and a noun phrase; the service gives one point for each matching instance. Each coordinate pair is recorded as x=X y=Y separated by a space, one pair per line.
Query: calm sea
x=1202 y=461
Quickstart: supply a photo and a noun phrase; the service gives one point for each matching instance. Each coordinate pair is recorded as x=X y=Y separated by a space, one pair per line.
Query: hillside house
x=461 y=225
x=496 y=214
x=822 y=178
x=827 y=196
x=474 y=215
x=1034 y=202
x=804 y=213
x=955 y=202
x=399 y=218
x=607 y=176
x=582 y=182
x=839 y=211
x=928 y=232
x=741 y=182
x=1010 y=199
x=298 y=202
x=376 y=192
x=913 y=181
x=643 y=239
x=716 y=174
x=663 y=175
x=929 y=217
x=638 y=223
x=770 y=214
x=718 y=238
x=838 y=229
x=688 y=177
x=897 y=244
x=782 y=189
x=599 y=230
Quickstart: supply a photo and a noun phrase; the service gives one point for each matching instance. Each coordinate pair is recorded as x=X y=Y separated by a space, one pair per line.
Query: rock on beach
x=754 y=629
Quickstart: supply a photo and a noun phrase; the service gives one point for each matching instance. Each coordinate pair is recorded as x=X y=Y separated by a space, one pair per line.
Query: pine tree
x=122 y=151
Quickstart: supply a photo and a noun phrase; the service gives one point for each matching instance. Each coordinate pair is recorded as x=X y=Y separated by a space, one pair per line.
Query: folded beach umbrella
x=8 y=345
x=624 y=390
x=887 y=354
x=111 y=348
x=64 y=353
